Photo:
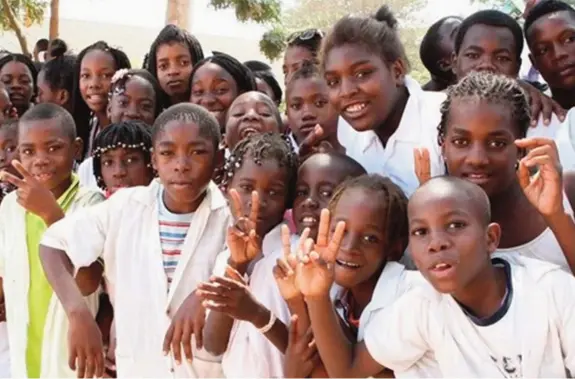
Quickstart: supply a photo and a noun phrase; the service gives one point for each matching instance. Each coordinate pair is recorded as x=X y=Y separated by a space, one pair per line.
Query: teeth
x=347 y=264
x=441 y=266
x=309 y=220
x=355 y=108
x=477 y=176
x=249 y=131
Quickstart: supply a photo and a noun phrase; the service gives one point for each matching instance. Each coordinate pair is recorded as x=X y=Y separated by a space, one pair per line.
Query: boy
x=482 y=316
x=158 y=242
x=47 y=189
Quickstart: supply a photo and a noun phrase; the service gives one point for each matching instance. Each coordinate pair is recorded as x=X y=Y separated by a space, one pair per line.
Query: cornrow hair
x=243 y=76
x=307 y=70
x=123 y=135
x=190 y=113
x=544 y=8
x=82 y=113
x=59 y=73
x=121 y=78
x=395 y=201
x=259 y=148
x=494 y=89
x=173 y=34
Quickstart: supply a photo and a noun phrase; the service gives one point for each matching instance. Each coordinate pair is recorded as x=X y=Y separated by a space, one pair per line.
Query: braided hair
x=126 y=135
x=58 y=74
x=395 y=201
x=121 y=78
x=243 y=76
x=261 y=147
x=491 y=88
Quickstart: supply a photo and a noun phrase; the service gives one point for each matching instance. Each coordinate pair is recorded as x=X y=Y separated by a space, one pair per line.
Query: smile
x=347 y=264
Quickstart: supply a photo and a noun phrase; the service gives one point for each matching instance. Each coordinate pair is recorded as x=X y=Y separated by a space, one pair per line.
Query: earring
x=517 y=165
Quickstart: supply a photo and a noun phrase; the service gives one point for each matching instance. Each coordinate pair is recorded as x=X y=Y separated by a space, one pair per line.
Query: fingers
x=168 y=339
x=199 y=324
x=21 y=170
x=235 y=277
x=286 y=241
x=72 y=357
x=176 y=343
x=90 y=366
x=255 y=209
x=558 y=110
x=323 y=228
x=303 y=254
x=534 y=103
x=311 y=140
x=530 y=143
x=293 y=330
x=81 y=364
x=422 y=164
x=546 y=109
x=187 y=331
x=236 y=204
x=12 y=179
x=335 y=242
x=523 y=175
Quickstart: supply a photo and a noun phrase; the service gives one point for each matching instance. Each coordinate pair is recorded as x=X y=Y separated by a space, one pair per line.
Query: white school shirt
x=417 y=128
x=547 y=131
x=124 y=230
x=86 y=175
x=4 y=351
x=426 y=329
x=565 y=140
x=15 y=271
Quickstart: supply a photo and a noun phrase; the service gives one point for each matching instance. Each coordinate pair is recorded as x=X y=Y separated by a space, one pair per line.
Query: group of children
x=171 y=222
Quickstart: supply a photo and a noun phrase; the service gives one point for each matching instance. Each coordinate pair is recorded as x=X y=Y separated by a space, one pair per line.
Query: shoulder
x=87 y=196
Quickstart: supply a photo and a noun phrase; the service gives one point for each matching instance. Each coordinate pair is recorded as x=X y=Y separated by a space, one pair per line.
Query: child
x=546 y=26
x=481 y=316
x=302 y=47
x=18 y=74
x=172 y=56
x=261 y=179
x=161 y=241
x=95 y=67
x=308 y=106
x=217 y=81
x=47 y=189
x=387 y=112
x=56 y=82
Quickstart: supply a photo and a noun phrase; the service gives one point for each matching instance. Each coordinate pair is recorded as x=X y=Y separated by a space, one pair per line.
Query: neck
x=565 y=97
x=103 y=120
x=179 y=207
x=180 y=98
x=442 y=83
x=484 y=295
x=363 y=292
x=62 y=187
x=503 y=203
x=390 y=125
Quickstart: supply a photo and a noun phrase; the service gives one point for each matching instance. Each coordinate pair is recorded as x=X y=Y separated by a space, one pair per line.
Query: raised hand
x=313 y=143
x=422 y=164
x=301 y=355
x=243 y=240
x=85 y=346
x=542 y=105
x=284 y=270
x=545 y=189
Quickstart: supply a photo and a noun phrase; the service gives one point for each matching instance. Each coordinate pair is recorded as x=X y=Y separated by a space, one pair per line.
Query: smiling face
x=96 y=72
x=136 y=101
x=362 y=88
x=174 y=68
x=552 y=43
x=17 y=79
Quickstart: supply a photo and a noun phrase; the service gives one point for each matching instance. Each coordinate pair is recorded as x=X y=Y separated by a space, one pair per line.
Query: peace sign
x=32 y=195
x=243 y=241
x=422 y=164
x=284 y=270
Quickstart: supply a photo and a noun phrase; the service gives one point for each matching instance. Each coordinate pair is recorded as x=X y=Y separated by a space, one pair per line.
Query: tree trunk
x=15 y=26
x=54 y=19
x=177 y=13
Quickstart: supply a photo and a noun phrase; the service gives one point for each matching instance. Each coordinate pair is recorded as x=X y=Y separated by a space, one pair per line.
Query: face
x=251 y=113
x=96 y=71
x=362 y=88
x=184 y=161
x=48 y=95
x=8 y=148
x=363 y=252
x=6 y=107
x=214 y=89
x=174 y=67
x=308 y=105
x=48 y=153
x=446 y=34
x=552 y=44
x=270 y=182
x=294 y=58
x=18 y=81
x=479 y=144
x=487 y=48
x=122 y=168
x=263 y=87
x=448 y=241
x=137 y=101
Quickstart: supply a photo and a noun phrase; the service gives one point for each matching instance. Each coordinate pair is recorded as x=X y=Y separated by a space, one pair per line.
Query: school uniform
x=546 y=131
x=417 y=128
x=86 y=175
x=565 y=140
x=132 y=235
x=31 y=307
x=532 y=334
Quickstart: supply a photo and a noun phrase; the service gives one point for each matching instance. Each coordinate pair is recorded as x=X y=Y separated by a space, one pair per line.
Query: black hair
x=173 y=34
x=42 y=44
x=265 y=98
x=49 y=111
x=126 y=134
x=260 y=147
x=59 y=73
x=257 y=66
x=82 y=113
x=309 y=39
x=185 y=112
x=10 y=124
x=493 y=18
x=306 y=71
x=145 y=62
x=24 y=60
x=396 y=225
x=429 y=49
x=270 y=79
x=121 y=78
x=544 y=8
x=57 y=47
x=244 y=78
x=377 y=33
x=491 y=88
x=344 y=162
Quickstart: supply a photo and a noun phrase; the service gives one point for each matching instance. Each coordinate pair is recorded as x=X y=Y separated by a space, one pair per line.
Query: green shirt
x=40 y=291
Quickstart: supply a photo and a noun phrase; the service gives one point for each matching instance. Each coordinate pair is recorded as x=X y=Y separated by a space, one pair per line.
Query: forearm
x=53 y=215
x=217 y=332
x=298 y=307
x=563 y=227
x=334 y=348
x=278 y=334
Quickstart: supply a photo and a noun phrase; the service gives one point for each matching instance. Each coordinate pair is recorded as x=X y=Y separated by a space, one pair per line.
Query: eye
x=11 y=149
x=569 y=39
x=419 y=232
x=497 y=144
x=246 y=188
x=455 y=225
x=198 y=92
x=273 y=192
x=332 y=82
x=295 y=107
x=460 y=142
x=122 y=102
x=503 y=59
x=362 y=74
x=320 y=103
x=184 y=62
x=84 y=76
x=326 y=193
x=52 y=149
x=471 y=55
x=198 y=152
x=222 y=91
x=107 y=75
x=162 y=66
x=166 y=153
x=26 y=152
x=301 y=192
x=370 y=238
x=107 y=162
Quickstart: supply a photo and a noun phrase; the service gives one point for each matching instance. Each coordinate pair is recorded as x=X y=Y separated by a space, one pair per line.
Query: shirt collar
x=68 y=196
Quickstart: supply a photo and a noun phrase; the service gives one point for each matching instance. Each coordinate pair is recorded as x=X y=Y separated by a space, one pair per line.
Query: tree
x=54 y=19
x=15 y=15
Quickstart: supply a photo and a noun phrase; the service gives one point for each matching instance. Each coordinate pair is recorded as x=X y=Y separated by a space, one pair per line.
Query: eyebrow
x=189 y=144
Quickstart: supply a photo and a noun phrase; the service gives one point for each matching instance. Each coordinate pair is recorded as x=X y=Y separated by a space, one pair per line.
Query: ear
x=398 y=71
x=493 y=235
x=154 y=160
x=454 y=64
x=78 y=146
x=63 y=97
x=444 y=64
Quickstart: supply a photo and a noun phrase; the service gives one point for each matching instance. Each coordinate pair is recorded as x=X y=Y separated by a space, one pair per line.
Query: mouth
x=355 y=110
x=309 y=221
x=96 y=98
x=306 y=129
x=442 y=270
x=248 y=131
x=174 y=83
x=43 y=177
x=181 y=185
x=567 y=70
x=477 y=177
x=347 y=265
x=16 y=96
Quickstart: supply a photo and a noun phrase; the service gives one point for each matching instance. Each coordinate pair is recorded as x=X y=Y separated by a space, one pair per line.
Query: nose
x=486 y=64
x=477 y=156
x=350 y=241
x=207 y=100
x=311 y=201
x=347 y=88
x=173 y=70
x=561 y=51
x=120 y=170
x=251 y=115
x=132 y=112
x=182 y=163
x=308 y=114
x=438 y=241
x=95 y=82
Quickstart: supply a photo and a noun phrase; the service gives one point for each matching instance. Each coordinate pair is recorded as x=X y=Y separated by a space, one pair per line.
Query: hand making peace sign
x=243 y=240
x=284 y=270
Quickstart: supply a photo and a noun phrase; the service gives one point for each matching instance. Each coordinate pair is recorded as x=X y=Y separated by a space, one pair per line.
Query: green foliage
x=260 y=11
x=273 y=42
x=27 y=12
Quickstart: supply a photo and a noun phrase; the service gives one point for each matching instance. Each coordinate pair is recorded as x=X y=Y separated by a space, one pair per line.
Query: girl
x=56 y=81
x=18 y=74
x=95 y=67
x=302 y=46
x=261 y=178
x=216 y=82
x=266 y=80
x=365 y=68
x=172 y=56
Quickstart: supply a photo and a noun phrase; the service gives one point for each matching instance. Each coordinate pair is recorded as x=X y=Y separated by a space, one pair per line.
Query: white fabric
x=86 y=175
x=124 y=230
x=4 y=351
x=565 y=140
x=428 y=330
x=417 y=128
x=15 y=271
x=547 y=131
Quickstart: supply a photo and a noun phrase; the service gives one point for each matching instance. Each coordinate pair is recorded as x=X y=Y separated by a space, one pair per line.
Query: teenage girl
x=173 y=55
x=302 y=46
x=95 y=67
x=56 y=82
x=18 y=74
